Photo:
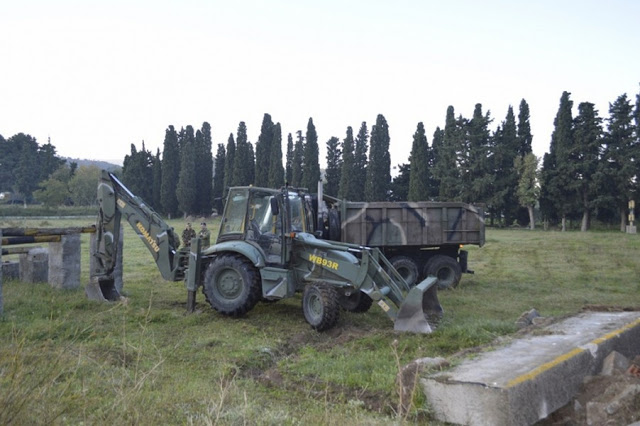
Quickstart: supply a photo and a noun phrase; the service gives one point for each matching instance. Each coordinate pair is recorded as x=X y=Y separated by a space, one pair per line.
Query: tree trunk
x=623 y=220
x=564 y=223
x=532 y=222
x=584 y=227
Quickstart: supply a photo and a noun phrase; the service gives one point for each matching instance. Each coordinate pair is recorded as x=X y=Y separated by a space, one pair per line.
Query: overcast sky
x=97 y=76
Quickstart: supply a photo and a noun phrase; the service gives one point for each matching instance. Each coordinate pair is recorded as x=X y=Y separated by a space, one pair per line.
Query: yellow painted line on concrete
x=547 y=366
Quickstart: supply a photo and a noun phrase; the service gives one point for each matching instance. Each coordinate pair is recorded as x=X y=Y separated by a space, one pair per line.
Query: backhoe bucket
x=421 y=311
x=102 y=290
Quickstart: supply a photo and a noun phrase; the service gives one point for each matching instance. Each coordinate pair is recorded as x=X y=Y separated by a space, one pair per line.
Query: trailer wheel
x=446 y=269
x=232 y=285
x=407 y=268
x=356 y=302
x=320 y=306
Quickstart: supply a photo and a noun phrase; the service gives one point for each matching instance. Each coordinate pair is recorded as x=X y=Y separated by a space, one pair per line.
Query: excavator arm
x=115 y=202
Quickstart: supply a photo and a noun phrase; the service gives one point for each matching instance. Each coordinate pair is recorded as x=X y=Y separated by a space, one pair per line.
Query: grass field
x=64 y=359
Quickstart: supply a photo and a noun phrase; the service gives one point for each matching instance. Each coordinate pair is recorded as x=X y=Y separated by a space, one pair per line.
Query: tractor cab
x=263 y=217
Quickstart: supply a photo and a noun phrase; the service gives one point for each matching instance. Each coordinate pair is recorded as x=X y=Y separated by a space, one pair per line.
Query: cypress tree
x=298 y=161
x=187 y=190
x=585 y=155
x=228 y=164
x=400 y=186
x=360 y=163
x=276 y=171
x=334 y=166
x=289 y=166
x=505 y=150
x=525 y=137
x=137 y=173
x=263 y=150
x=347 y=175
x=156 y=170
x=618 y=167
x=446 y=168
x=479 y=178
x=219 y=177
x=436 y=148
x=252 y=164
x=419 y=167
x=379 y=167
x=558 y=179
x=170 y=173
x=204 y=169
x=48 y=162
x=243 y=162
x=311 y=168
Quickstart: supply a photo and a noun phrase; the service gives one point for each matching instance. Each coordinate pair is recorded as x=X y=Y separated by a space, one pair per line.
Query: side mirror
x=275 y=209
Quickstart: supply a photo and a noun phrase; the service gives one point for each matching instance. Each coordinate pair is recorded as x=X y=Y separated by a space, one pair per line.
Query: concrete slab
x=532 y=376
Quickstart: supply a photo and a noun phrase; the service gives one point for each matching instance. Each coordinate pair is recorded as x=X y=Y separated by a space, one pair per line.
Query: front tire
x=232 y=285
x=320 y=306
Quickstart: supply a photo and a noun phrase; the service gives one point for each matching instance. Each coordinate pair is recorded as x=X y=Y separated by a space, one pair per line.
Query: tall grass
x=64 y=359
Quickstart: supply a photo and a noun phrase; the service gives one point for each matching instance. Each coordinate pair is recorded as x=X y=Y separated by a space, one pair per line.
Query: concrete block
x=534 y=375
x=631 y=229
x=34 y=266
x=11 y=270
x=64 y=262
x=615 y=362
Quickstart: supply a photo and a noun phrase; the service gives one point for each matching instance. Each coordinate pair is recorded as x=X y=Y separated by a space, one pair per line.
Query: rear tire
x=407 y=267
x=232 y=285
x=446 y=269
x=320 y=306
x=357 y=302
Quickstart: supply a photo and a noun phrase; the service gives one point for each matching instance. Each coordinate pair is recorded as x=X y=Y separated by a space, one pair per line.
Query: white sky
x=97 y=76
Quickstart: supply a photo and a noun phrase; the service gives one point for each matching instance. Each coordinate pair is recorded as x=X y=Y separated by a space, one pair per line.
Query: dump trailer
x=420 y=238
x=266 y=250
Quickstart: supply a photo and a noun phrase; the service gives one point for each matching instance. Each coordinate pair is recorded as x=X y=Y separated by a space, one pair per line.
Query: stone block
x=11 y=270
x=615 y=362
x=64 y=262
x=34 y=266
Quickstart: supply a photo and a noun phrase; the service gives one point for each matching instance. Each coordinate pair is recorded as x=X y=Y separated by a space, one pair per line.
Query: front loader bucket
x=421 y=309
x=102 y=290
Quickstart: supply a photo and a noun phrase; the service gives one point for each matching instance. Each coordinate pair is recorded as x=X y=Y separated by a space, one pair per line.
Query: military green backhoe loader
x=266 y=250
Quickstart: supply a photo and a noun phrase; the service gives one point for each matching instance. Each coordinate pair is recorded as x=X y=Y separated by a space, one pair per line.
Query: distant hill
x=98 y=163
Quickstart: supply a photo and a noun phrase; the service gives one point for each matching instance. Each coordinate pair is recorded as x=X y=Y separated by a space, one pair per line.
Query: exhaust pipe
x=421 y=310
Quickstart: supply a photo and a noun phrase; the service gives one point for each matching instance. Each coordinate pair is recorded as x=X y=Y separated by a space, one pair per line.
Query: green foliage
x=228 y=163
x=83 y=185
x=311 y=167
x=156 y=172
x=419 y=166
x=276 y=171
x=445 y=167
x=379 y=167
x=204 y=170
x=26 y=172
x=263 y=150
x=524 y=129
x=243 y=161
x=137 y=173
x=187 y=190
x=52 y=192
x=298 y=161
x=218 y=178
x=400 y=185
x=170 y=173
x=504 y=202
x=361 y=162
x=477 y=175
x=334 y=167
x=348 y=172
x=288 y=170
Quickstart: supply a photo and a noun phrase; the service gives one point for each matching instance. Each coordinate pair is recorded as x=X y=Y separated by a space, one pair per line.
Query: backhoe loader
x=266 y=250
